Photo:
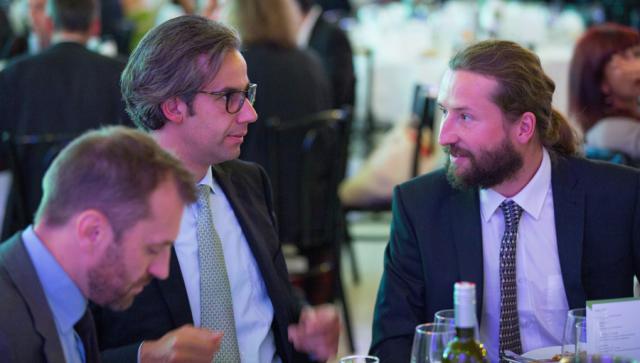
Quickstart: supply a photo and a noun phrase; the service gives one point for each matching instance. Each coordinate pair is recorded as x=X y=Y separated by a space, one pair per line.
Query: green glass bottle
x=464 y=347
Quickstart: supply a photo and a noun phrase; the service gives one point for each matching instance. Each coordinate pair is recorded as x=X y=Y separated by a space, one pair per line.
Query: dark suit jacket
x=436 y=240
x=66 y=89
x=27 y=329
x=332 y=45
x=163 y=305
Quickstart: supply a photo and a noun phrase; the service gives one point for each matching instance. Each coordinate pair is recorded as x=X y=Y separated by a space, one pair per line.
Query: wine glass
x=430 y=341
x=447 y=317
x=359 y=359
x=581 y=338
x=574 y=316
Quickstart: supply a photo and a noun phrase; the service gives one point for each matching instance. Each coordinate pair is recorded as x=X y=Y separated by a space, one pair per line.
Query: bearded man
x=537 y=228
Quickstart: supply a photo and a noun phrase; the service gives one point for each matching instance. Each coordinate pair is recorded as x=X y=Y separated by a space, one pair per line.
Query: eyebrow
x=458 y=109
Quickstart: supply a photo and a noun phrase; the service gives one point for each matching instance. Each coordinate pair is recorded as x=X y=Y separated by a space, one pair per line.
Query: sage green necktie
x=216 y=304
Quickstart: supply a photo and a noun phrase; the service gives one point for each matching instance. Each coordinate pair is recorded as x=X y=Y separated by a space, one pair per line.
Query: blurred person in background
x=66 y=88
x=331 y=43
x=293 y=84
x=604 y=88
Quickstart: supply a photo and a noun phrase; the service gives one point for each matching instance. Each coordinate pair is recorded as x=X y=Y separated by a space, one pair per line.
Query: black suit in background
x=66 y=89
x=436 y=240
x=292 y=83
x=332 y=45
x=163 y=305
x=27 y=327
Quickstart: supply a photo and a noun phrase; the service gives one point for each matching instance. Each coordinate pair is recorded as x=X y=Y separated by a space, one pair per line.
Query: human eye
x=443 y=110
x=465 y=117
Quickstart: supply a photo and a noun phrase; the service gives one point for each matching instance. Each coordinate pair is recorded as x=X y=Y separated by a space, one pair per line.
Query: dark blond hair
x=175 y=59
x=522 y=87
x=264 y=21
x=113 y=170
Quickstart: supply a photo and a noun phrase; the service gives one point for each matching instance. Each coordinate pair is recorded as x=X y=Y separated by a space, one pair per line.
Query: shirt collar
x=209 y=180
x=531 y=198
x=309 y=21
x=65 y=299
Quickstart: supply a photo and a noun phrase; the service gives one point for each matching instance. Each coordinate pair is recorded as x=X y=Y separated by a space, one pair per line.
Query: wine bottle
x=464 y=347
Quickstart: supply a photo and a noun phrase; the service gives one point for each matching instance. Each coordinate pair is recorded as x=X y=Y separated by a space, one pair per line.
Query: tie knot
x=203 y=194
x=512 y=212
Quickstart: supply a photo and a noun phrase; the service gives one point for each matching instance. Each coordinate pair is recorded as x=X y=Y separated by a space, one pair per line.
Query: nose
x=247 y=113
x=159 y=267
x=447 y=132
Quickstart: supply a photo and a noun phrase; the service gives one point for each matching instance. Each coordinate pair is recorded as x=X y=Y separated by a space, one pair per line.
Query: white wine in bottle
x=464 y=347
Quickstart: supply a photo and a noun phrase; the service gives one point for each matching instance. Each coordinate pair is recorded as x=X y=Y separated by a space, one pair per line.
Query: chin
x=122 y=303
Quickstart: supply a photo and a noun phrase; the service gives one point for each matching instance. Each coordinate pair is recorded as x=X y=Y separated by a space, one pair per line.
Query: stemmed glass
x=359 y=359
x=581 y=338
x=447 y=317
x=574 y=316
x=429 y=342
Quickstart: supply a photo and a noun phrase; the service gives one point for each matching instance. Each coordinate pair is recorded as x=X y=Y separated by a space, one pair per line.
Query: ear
x=93 y=230
x=525 y=128
x=175 y=109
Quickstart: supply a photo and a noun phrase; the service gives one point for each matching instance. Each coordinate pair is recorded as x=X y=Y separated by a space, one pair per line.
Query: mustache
x=455 y=150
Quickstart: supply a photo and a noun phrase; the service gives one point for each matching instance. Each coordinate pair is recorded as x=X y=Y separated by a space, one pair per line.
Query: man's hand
x=185 y=344
x=317 y=332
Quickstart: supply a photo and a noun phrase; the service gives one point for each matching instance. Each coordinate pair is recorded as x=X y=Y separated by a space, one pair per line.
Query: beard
x=108 y=281
x=486 y=169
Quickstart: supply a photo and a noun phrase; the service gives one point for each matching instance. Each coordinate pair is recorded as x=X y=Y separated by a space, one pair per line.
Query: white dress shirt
x=542 y=301
x=252 y=308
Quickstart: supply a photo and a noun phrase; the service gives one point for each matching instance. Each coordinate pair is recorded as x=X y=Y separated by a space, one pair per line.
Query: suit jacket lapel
x=464 y=212
x=174 y=293
x=21 y=270
x=569 y=204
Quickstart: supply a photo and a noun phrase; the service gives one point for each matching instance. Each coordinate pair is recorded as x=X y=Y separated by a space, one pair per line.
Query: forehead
x=232 y=72
x=464 y=89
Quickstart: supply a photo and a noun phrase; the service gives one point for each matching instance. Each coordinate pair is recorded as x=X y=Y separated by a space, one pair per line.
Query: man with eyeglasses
x=227 y=297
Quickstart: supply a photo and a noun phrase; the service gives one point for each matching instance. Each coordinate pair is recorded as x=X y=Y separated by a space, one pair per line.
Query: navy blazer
x=436 y=240
x=163 y=305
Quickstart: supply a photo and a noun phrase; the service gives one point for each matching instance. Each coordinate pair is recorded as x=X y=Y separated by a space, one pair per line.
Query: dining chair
x=307 y=161
x=27 y=158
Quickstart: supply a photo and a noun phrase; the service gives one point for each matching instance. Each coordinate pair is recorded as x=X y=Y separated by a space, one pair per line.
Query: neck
x=169 y=141
x=532 y=158
x=67 y=36
x=61 y=244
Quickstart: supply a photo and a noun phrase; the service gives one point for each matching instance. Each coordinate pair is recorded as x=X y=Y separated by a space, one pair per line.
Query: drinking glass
x=359 y=359
x=429 y=342
x=574 y=316
x=447 y=317
x=581 y=338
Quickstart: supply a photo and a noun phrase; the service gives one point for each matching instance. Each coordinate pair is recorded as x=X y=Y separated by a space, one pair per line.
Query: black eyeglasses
x=235 y=98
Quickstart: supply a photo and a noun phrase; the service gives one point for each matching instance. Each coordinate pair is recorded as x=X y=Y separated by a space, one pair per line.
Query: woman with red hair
x=604 y=88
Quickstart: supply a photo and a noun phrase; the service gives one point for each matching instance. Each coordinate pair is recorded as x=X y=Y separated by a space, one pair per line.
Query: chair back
x=424 y=110
x=27 y=159
x=307 y=161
